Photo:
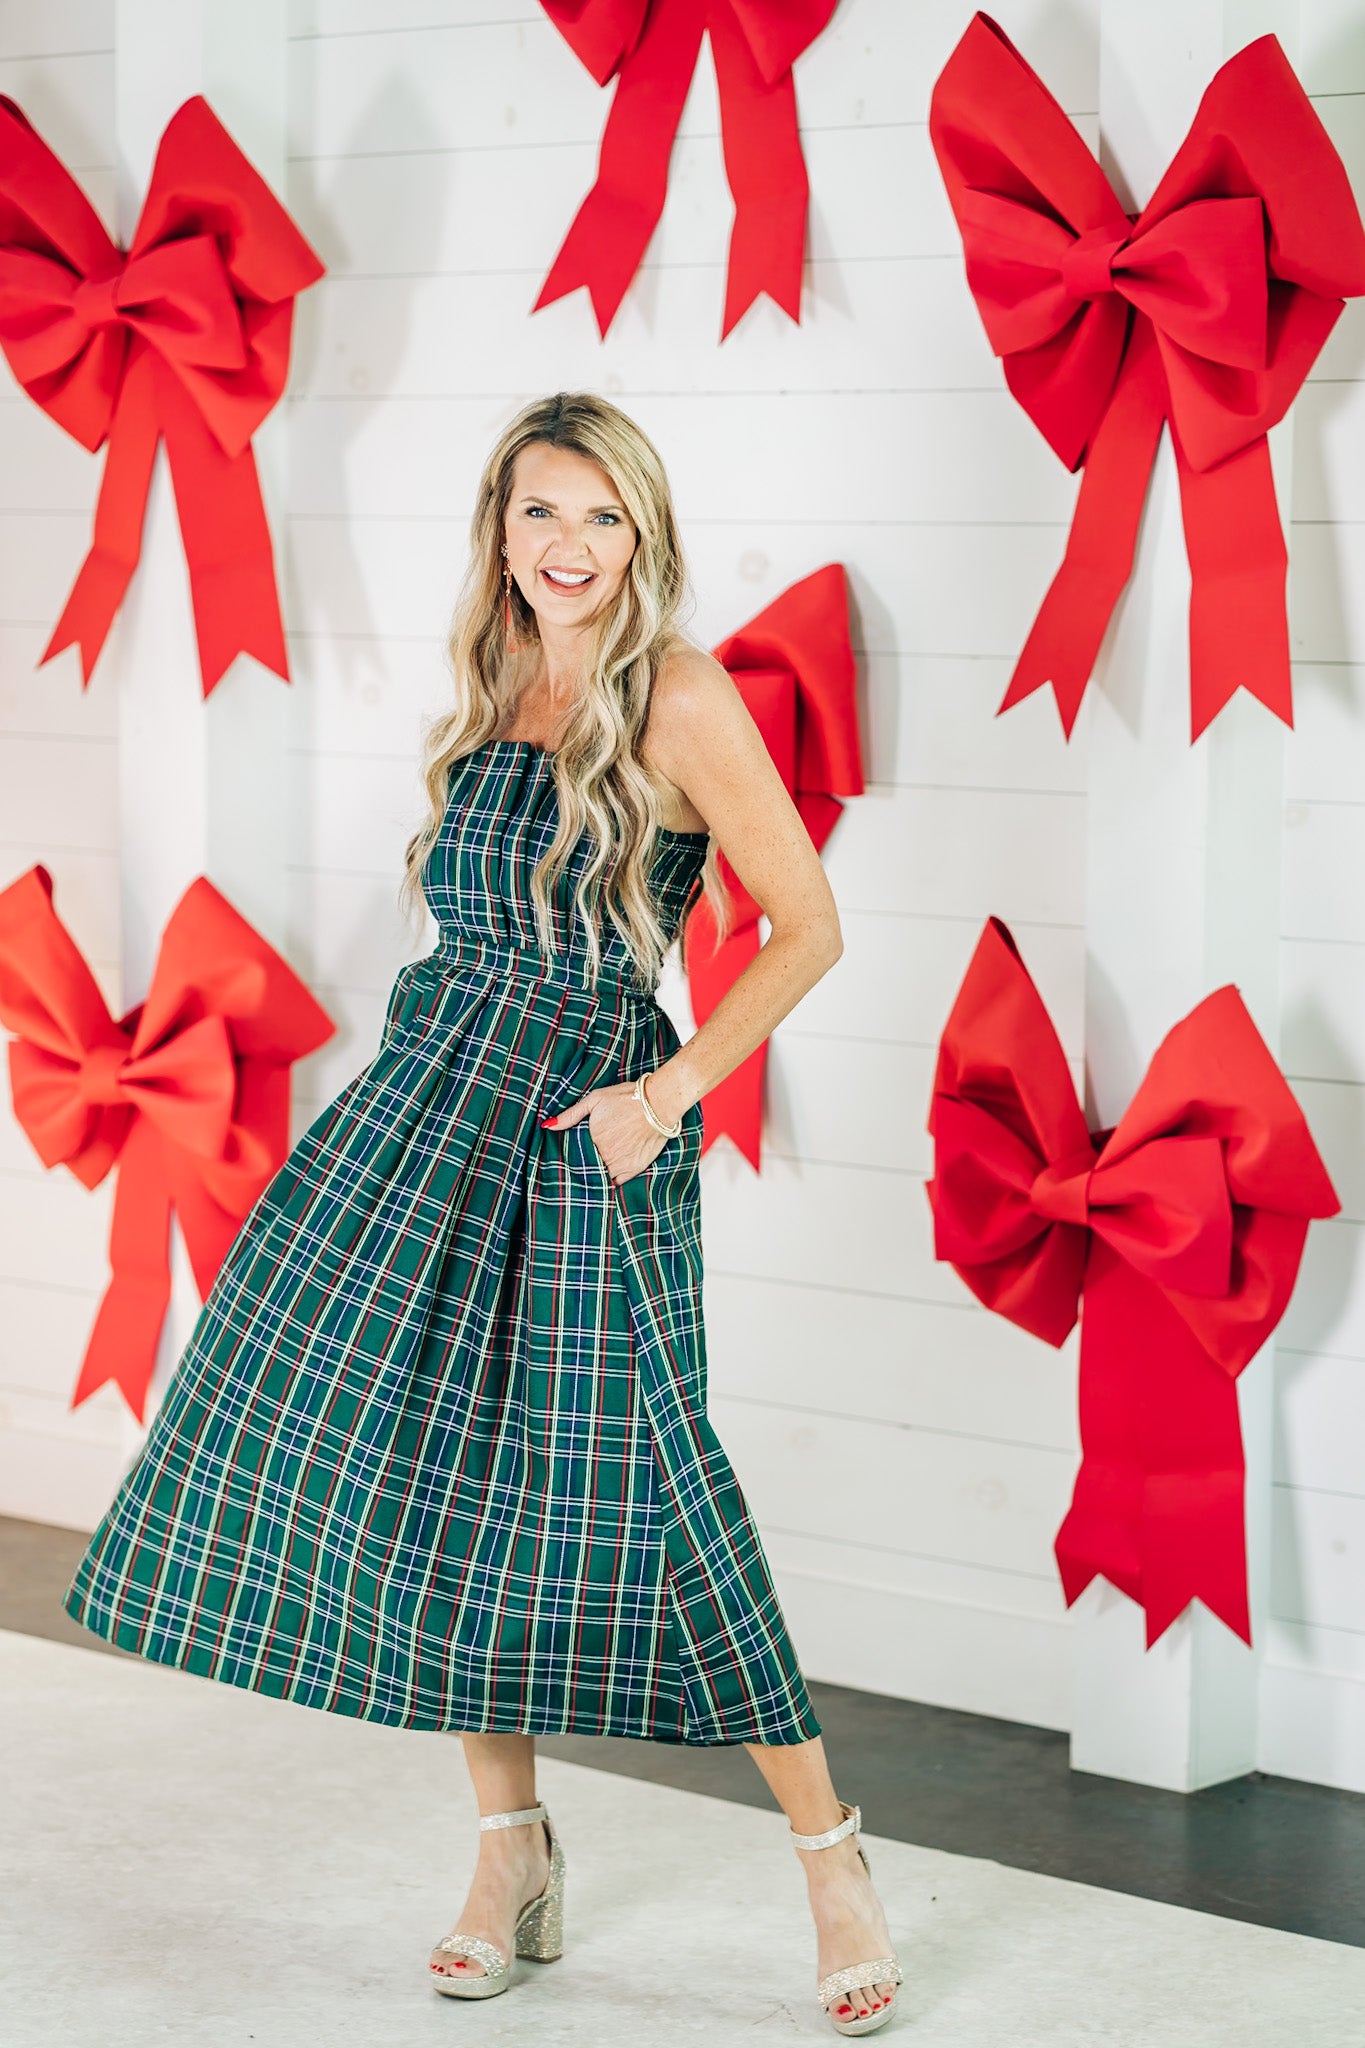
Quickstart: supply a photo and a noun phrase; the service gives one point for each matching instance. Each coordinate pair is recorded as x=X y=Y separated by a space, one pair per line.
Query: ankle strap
x=850 y=1826
x=522 y=1818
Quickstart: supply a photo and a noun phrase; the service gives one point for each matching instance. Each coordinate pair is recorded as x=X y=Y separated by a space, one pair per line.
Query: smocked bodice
x=501 y=816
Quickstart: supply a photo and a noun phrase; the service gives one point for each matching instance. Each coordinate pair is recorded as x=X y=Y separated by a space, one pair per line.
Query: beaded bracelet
x=643 y=1100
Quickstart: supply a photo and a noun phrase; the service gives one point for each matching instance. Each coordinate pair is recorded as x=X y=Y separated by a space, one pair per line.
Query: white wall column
x=1182 y=895
x=204 y=788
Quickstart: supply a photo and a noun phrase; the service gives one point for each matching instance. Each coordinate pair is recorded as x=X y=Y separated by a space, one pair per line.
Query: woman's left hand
x=621 y=1131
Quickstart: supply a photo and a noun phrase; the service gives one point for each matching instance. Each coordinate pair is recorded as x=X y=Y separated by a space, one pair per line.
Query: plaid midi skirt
x=437 y=1451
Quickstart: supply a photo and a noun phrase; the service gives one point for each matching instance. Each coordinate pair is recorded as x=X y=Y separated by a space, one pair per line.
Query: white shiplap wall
x=1313 y=1690
x=909 y=1457
x=57 y=806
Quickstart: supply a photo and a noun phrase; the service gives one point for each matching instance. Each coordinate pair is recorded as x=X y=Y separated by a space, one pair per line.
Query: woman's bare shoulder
x=688 y=693
x=684 y=698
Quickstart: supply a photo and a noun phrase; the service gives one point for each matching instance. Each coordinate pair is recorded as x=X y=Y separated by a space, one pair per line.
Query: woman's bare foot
x=513 y=1868
x=849 y=1922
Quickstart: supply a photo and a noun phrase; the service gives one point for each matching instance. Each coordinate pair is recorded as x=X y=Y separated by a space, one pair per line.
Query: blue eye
x=611 y=517
x=536 y=512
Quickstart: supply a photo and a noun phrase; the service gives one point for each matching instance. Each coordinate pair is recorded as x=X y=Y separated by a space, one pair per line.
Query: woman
x=437 y=1451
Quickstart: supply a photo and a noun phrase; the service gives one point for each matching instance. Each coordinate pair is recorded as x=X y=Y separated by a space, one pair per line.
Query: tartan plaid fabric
x=437 y=1452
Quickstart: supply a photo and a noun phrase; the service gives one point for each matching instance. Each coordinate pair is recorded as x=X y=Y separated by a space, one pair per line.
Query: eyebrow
x=534 y=498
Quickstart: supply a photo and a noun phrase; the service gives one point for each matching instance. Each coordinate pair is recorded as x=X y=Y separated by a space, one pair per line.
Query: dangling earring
x=507 y=604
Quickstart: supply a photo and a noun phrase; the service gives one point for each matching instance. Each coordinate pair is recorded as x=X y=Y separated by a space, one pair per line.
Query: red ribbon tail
x=734 y=1107
x=612 y=228
x=127 y=1328
x=1158 y=1501
x=208 y=1223
x=767 y=174
x=227 y=543
x=107 y=570
x=1065 y=639
x=1074 y=1542
x=1196 y=1539
x=1239 y=564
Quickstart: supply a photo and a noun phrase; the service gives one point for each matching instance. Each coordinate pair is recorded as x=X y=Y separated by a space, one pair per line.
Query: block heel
x=539 y=1934
x=540 y=1930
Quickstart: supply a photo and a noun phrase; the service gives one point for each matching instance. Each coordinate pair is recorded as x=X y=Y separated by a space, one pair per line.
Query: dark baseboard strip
x=1268 y=1850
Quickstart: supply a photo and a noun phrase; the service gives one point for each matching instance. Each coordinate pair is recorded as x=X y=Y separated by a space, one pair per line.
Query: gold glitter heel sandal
x=539 y=1931
x=860 y=1976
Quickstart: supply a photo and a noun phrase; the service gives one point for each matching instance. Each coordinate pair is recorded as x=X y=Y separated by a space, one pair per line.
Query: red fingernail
x=546 y=1120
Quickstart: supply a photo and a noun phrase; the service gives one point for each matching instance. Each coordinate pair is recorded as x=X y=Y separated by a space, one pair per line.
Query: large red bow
x=652 y=47
x=793 y=665
x=1205 y=312
x=188 y=1093
x=1183 y=1229
x=186 y=336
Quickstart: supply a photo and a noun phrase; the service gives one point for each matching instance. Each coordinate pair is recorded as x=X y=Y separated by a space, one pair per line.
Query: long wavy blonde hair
x=602 y=781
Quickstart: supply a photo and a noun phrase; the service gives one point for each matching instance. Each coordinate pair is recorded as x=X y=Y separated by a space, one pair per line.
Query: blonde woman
x=437 y=1452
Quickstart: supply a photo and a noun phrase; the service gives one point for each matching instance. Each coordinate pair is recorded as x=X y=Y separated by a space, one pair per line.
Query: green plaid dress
x=436 y=1453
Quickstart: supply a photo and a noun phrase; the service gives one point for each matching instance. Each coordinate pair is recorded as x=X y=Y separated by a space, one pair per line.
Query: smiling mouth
x=568 y=579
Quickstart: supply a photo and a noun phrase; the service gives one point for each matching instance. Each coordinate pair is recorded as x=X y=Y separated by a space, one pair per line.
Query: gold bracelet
x=643 y=1100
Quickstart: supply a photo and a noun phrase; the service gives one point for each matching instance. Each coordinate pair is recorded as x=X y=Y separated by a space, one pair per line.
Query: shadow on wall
x=1344 y=362
x=352 y=369
x=1321 y=1301
x=1322 y=1298
x=1326 y=645
x=870 y=624
x=1109 y=1023
x=325 y=194
x=1322 y=665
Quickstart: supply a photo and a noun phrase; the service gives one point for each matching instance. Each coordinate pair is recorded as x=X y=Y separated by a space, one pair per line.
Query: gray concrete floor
x=197 y=1863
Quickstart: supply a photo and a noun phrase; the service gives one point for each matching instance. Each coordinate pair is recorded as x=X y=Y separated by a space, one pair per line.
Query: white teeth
x=570 y=578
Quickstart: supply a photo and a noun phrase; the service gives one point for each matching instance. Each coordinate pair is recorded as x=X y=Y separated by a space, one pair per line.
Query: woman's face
x=569 y=537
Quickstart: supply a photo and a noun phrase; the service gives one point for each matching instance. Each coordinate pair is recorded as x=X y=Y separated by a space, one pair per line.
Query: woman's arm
x=701 y=738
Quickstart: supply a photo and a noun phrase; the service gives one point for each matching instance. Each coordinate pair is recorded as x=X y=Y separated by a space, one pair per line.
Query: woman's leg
x=849 y=1921
x=514 y=1863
